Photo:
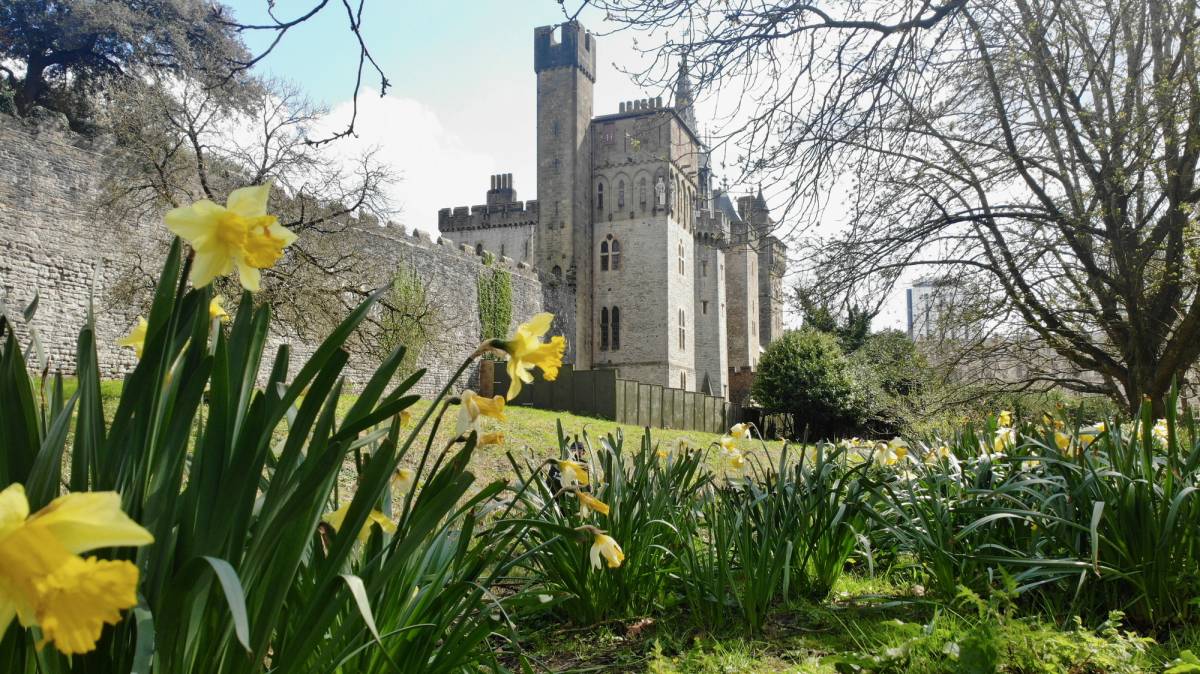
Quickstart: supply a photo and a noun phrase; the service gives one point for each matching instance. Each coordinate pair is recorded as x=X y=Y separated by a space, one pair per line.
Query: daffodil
x=376 y=518
x=667 y=450
x=473 y=406
x=605 y=546
x=1004 y=418
x=939 y=453
x=1006 y=439
x=740 y=431
x=491 y=439
x=136 y=339
x=588 y=503
x=735 y=459
x=405 y=418
x=216 y=309
x=43 y=579
x=1062 y=441
x=402 y=481
x=573 y=472
x=526 y=351
x=1159 y=431
x=885 y=454
x=238 y=235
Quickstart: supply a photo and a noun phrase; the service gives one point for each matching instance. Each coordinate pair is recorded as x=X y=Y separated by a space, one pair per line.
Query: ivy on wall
x=494 y=287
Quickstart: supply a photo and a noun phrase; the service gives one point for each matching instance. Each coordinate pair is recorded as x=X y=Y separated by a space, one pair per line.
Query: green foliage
x=68 y=50
x=494 y=287
x=409 y=318
x=232 y=479
x=804 y=374
x=890 y=376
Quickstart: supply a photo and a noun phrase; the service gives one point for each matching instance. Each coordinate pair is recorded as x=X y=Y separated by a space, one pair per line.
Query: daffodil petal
x=193 y=222
x=249 y=202
x=89 y=520
x=539 y=324
x=249 y=276
x=207 y=266
x=14 y=508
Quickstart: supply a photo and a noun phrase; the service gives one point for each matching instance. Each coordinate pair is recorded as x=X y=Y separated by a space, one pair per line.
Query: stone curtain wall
x=52 y=243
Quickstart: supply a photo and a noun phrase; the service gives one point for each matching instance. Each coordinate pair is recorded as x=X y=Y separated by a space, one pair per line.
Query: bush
x=805 y=375
x=890 y=375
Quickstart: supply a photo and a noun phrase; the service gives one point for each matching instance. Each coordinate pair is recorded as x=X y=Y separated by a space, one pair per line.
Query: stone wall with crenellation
x=54 y=244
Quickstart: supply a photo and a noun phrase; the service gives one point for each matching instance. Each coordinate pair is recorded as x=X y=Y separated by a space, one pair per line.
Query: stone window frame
x=621 y=194
x=600 y=198
x=604 y=254
x=615 y=253
x=615 y=325
x=682 y=330
x=604 y=328
x=642 y=192
x=682 y=266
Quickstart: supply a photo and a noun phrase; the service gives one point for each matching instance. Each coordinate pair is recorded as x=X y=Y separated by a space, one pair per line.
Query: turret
x=683 y=96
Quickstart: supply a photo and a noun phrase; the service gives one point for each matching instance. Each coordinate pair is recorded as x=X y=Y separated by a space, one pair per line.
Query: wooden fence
x=599 y=393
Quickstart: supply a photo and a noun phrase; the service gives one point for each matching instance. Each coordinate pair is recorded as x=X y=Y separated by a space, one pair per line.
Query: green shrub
x=805 y=375
x=890 y=376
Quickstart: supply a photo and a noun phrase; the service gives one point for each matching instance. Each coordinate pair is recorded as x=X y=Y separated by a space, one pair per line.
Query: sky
x=461 y=104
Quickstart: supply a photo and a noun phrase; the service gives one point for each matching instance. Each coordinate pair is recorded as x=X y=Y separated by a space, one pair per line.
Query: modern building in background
x=930 y=305
x=673 y=281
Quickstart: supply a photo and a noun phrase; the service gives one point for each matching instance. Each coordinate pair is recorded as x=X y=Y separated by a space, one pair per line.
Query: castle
x=673 y=284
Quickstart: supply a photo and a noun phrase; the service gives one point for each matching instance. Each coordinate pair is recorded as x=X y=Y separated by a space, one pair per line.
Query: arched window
x=642 y=193
x=604 y=256
x=479 y=249
x=556 y=273
x=680 y=257
x=616 y=254
x=621 y=194
x=600 y=198
x=683 y=380
x=604 y=329
x=616 y=328
x=682 y=330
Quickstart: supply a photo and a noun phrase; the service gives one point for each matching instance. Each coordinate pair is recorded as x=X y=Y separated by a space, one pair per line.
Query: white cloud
x=408 y=136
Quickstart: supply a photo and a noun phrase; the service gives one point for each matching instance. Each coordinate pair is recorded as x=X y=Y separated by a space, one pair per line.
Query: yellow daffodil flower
x=402 y=481
x=216 y=309
x=239 y=234
x=136 y=339
x=588 y=503
x=1006 y=438
x=1004 y=418
x=939 y=453
x=335 y=519
x=605 y=546
x=405 y=418
x=473 y=406
x=1159 y=431
x=671 y=448
x=727 y=443
x=43 y=579
x=573 y=473
x=885 y=454
x=491 y=439
x=740 y=431
x=1062 y=441
x=526 y=351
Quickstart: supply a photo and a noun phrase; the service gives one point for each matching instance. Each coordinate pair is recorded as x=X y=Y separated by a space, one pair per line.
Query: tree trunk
x=33 y=87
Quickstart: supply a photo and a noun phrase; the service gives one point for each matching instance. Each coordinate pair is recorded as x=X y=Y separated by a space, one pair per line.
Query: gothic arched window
x=604 y=329
x=616 y=254
x=604 y=256
x=682 y=329
x=680 y=257
x=616 y=328
x=642 y=193
x=621 y=194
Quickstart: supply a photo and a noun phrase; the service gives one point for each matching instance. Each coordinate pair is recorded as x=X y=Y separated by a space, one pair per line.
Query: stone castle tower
x=665 y=278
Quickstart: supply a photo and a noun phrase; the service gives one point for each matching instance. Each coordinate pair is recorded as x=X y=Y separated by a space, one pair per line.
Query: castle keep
x=674 y=283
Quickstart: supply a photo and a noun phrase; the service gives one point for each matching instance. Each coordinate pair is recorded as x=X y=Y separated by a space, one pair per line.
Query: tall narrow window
x=621 y=194
x=616 y=328
x=604 y=256
x=704 y=307
x=682 y=330
x=604 y=329
x=642 y=193
x=600 y=198
x=555 y=128
x=704 y=267
x=683 y=380
x=680 y=249
x=616 y=255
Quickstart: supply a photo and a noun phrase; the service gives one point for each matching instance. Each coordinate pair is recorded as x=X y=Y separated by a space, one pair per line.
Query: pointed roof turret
x=683 y=95
x=759 y=202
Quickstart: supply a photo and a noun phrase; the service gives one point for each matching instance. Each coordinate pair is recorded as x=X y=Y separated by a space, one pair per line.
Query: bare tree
x=1042 y=151
x=178 y=141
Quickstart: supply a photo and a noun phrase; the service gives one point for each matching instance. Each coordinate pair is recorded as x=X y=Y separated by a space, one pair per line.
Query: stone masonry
x=52 y=244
